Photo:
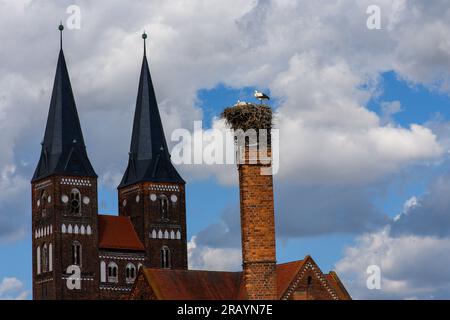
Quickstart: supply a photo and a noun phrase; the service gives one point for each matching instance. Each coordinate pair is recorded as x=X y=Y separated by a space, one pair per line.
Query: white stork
x=261 y=96
x=241 y=103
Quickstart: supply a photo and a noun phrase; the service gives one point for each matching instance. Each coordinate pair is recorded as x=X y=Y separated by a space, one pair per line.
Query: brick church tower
x=64 y=201
x=151 y=192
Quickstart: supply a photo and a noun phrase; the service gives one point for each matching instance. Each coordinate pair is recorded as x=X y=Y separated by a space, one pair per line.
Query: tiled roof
x=193 y=284
x=337 y=285
x=286 y=273
x=117 y=232
x=217 y=285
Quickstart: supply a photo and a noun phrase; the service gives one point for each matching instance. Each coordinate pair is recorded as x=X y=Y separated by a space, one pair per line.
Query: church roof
x=117 y=233
x=221 y=285
x=149 y=158
x=63 y=149
x=193 y=284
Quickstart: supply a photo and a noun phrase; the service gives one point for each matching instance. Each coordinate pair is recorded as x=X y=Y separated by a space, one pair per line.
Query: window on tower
x=44 y=258
x=165 y=257
x=76 y=253
x=75 y=201
x=43 y=203
x=38 y=260
x=164 y=204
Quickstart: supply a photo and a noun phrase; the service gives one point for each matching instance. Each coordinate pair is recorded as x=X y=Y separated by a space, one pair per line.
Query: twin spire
x=63 y=149
x=149 y=158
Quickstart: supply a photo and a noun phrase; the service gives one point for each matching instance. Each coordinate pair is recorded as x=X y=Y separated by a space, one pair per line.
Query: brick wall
x=51 y=284
x=139 y=203
x=116 y=290
x=258 y=229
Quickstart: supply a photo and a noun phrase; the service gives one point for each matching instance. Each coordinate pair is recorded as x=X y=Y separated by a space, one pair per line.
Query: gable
x=142 y=289
x=310 y=284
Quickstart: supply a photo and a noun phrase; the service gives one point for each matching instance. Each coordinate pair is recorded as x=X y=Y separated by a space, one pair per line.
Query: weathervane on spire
x=60 y=28
x=144 y=36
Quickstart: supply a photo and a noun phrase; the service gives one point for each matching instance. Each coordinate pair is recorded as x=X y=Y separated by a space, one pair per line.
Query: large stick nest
x=248 y=116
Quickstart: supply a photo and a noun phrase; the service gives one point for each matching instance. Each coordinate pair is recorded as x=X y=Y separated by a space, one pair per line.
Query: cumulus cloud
x=203 y=257
x=430 y=214
x=411 y=250
x=316 y=57
x=314 y=211
x=411 y=266
x=12 y=289
x=328 y=136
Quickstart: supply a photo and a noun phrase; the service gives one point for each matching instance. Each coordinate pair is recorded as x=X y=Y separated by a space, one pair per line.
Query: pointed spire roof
x=63 y=149
x=149 y=158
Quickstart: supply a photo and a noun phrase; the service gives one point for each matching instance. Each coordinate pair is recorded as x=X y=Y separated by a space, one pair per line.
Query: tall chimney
x=257 y=205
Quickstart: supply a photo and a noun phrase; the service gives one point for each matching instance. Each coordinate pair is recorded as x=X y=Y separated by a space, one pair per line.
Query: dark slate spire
x=149 y=158
x=63 y=149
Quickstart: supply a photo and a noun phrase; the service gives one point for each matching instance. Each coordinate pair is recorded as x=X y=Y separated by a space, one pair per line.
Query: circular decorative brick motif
x=64 y=198
x=138 y=198
x=86 y=200
x=153 y=197
x=49 y=199
x=39 y=202
x=124 y=202
x=173 y=198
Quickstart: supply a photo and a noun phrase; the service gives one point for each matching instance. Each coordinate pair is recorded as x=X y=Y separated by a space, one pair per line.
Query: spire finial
x=60 y=28
x=144 y=36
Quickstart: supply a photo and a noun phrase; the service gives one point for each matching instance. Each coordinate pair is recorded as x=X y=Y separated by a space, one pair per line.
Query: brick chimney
x=256 y=204
x=258 y=230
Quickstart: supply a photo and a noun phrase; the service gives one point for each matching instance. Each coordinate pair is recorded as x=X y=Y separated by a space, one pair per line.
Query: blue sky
x=363 y=115
x=203 y=211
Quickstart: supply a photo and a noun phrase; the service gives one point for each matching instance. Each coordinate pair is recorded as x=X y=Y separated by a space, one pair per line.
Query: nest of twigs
x=248 y=116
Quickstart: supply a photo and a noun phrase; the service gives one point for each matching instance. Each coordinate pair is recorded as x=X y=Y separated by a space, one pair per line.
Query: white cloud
x=12 y=289
x=328 y=136
x=411 y=266
x=203 y=257
x=315 y=56
x=411 y=251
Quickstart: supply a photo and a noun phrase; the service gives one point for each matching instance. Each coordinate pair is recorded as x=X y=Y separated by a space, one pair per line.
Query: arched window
x=44 y=258
x=43 y=203
x=165 y=257
x=102 y=271
x=76 y=253
x=130 y=273
x=164 y=204
x=112 y=272
x=38 y=260
x=75 y=201
x=50 y=257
